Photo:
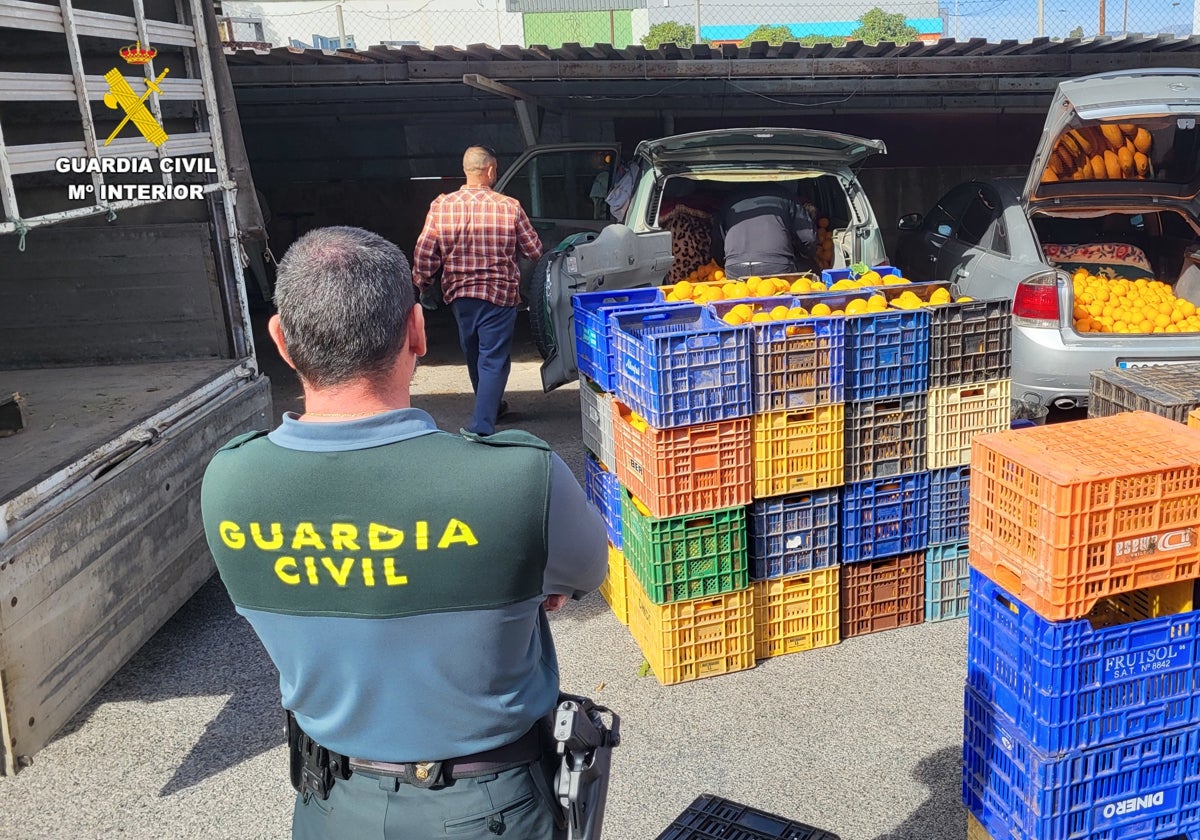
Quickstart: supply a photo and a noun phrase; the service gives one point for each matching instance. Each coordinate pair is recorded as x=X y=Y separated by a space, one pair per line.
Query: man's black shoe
x=502 y=410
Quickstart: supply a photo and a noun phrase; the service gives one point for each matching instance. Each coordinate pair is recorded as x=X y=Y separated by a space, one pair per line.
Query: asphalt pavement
x=862 y=739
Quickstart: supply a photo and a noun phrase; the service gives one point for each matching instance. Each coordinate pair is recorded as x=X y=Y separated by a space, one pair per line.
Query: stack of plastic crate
x=1082 y=706
x=1172 y=391
x=885 y=500
x=595 y=360
x=682 y=434
x=797 y=370
x=970 y=362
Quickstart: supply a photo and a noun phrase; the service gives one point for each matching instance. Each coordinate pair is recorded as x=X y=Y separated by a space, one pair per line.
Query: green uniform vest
x=433 y=523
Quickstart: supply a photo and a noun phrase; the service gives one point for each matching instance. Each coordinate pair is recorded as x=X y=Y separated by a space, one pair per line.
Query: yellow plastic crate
x=613 y=587
x=795 y=613
x=800 y=450
x=975 y=830
x=1194 y=418
x=688 y=640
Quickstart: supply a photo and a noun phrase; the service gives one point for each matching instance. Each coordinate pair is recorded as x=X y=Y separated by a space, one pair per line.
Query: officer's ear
x=415 y=331
x=275 y=330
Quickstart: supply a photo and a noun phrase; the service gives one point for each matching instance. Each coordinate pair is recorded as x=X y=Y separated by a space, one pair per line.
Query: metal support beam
x=49 y=87
x=529 y=113
x=38 y=17
x=8 y=195
x=79 y=82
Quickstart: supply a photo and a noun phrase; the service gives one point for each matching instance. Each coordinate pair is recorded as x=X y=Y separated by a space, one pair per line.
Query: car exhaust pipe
x=1064 y=403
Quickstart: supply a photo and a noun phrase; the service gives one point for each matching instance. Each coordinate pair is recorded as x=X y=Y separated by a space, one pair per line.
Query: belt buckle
x=423 y=774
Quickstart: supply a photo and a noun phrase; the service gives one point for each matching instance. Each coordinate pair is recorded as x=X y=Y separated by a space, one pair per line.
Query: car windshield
x=1162 y=151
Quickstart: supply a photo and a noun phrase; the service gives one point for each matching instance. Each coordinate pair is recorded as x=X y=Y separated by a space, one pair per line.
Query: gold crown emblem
x=134 y=54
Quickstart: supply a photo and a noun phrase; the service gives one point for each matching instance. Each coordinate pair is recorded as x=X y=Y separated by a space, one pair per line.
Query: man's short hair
x=344 y=295
x=478 y=158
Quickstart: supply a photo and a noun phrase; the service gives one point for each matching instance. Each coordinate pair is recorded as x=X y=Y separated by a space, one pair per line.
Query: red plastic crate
x=796 y=451
x=1065 y=514
x=687 y=469
x=883 y=594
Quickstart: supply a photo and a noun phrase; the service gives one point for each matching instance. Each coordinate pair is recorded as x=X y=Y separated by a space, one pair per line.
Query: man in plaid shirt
x=474 y=235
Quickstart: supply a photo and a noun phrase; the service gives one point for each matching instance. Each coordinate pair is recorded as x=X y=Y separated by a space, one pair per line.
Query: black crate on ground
x=711 y=817
x=970 y=342
x=886 y=437
x=1171 y=391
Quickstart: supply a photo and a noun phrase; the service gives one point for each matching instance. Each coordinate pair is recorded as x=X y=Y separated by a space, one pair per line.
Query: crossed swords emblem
x=121 y=95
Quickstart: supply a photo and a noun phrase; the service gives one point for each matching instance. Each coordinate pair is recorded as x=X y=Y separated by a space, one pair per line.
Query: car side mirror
x=911 y=221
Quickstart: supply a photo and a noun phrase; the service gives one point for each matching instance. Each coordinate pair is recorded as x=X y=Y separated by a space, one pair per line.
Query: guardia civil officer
x=398 y=575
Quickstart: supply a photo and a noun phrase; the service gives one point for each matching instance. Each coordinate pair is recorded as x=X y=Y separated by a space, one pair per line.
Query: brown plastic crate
x=1170 y=391
x=683 y=470
x=883 y=594
x=1066 y=514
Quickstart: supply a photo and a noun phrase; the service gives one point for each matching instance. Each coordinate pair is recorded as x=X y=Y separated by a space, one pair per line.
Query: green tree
x=1077 y=32
x=877 y=25
x=669 y=32
x=813 y=40
x=773 y=35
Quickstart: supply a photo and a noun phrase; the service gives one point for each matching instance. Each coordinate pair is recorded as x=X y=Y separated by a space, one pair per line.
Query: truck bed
x=72 y=411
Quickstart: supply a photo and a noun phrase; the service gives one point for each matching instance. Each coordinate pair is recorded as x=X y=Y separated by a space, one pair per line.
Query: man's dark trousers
x=368 y=806
x=485 y=332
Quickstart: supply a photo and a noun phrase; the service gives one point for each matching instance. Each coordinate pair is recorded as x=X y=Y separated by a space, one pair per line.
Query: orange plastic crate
x=1066 y=514
x=688 y=640
x=613 y=587
x=796 y=451
x=795 y=613
x=1194 y=418
x=688 y=469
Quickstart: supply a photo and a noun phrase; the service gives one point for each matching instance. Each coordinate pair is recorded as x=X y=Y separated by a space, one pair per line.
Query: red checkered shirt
x=474 y=236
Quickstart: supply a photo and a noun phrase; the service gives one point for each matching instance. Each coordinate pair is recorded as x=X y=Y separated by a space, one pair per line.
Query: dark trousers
x=368 y=806
x=485 y=332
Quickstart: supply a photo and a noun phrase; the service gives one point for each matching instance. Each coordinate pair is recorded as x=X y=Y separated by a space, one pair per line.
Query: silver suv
x=1113 y=190
x=709 y=164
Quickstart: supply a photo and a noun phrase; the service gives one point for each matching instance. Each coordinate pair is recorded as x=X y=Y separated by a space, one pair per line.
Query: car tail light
x=1036 y=302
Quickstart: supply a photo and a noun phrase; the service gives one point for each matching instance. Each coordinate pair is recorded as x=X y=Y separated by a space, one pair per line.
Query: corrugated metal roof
x=1187 y=49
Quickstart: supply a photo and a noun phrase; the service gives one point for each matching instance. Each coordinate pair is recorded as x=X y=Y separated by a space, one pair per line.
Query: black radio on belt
x=313 y=768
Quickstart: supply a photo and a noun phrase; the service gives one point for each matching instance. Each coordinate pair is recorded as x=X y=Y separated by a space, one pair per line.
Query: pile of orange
x=1138 y=307
x=722 y=289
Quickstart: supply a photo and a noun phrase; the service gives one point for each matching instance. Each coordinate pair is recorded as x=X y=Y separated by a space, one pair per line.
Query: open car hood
x=759 y=145
x=1116 y=138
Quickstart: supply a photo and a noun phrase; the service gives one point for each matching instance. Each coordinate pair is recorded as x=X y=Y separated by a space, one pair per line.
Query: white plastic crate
x=595 y=407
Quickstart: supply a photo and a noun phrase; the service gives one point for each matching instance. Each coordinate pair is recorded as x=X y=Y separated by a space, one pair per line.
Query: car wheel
x=540 y=323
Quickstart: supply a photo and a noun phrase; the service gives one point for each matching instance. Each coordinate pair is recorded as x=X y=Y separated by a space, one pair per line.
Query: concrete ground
x=186 y=741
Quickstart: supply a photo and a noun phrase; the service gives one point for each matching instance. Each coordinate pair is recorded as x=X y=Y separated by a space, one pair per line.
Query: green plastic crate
x=684 y=557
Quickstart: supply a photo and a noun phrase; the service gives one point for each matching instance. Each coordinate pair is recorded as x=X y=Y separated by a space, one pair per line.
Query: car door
x=920 y=254
x=968 y=257
x=562 y=187
x=614 y=259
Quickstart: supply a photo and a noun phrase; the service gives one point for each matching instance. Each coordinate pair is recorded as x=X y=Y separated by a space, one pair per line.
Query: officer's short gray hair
x=477 y=159
x=344 y=295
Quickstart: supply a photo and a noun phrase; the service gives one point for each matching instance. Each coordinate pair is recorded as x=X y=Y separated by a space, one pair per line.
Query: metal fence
x=621 y=23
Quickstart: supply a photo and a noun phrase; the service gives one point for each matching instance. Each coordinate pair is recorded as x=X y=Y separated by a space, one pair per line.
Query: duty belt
x=314 y=769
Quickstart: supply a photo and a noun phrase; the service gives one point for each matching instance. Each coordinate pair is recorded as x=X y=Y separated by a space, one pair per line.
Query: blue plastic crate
x=829 y=276
x=680 y=366
x=947 y=581
x=604 y=492
x=887 y=355
x=886 y=517
x=594 y=352
x=1145 y=788
x=793 y=534
x=949 y=504
x=1065 y=685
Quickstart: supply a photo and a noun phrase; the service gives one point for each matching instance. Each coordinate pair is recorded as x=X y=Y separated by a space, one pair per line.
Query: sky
x=1000 y=19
